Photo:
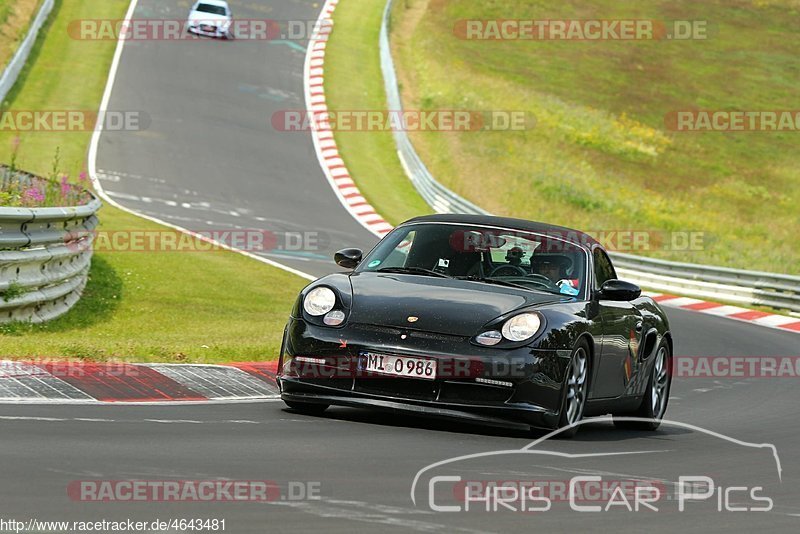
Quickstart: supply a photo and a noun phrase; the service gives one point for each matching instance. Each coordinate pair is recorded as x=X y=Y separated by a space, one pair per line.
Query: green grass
x=62 y=73
x=600 y=157
x=138 y=306
x=353 y=81
x=15 y=19
x=166 y=306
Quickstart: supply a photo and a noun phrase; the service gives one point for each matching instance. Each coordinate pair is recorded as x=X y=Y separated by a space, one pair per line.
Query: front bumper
x=524 y=386
x=207 y=30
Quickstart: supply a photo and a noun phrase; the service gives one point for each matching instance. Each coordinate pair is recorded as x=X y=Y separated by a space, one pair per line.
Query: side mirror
x=619 y=290
x=348 y=257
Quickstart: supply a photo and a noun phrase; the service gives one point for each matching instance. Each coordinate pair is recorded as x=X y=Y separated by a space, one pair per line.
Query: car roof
x=571 y=235
x=220 y=3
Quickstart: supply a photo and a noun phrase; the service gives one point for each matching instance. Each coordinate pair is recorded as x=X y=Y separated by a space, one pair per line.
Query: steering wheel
x=542 y=279
x=513 y=270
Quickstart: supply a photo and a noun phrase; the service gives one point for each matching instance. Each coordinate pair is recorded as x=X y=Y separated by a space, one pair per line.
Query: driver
x=554 y=272
x=550 y=269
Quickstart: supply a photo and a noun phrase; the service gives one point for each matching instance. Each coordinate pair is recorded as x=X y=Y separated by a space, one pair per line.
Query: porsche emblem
x=412 y=319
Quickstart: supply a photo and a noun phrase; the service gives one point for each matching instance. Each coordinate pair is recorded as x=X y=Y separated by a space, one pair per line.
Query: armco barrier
x=44 y=252
x=435 y=194
x=45 y=255
x=14 y=67
x=732 y=285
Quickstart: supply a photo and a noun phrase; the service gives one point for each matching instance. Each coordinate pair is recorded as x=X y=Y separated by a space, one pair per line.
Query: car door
x=621 y=326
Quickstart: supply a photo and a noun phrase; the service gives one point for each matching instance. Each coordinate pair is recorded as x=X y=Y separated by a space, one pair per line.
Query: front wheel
x=656 y=396
x=575 y=392
x=307 y=408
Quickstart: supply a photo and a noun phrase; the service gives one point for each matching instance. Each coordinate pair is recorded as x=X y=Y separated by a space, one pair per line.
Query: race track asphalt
x=210 y=161
x=365 y=463
x=207 y=157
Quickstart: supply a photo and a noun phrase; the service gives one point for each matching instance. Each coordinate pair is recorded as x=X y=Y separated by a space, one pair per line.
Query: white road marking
x=365 y=512
x=158 y=421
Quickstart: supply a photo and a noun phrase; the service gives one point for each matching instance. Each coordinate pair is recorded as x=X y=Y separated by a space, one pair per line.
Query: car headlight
x=521 y=327
x=319 y=301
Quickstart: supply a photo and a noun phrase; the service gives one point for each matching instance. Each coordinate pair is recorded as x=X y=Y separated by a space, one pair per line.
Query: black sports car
x=494 y=320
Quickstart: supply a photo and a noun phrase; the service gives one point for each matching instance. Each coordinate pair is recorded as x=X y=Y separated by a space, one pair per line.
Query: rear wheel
x=307 y=408
x=576 y=390
x=656 y=396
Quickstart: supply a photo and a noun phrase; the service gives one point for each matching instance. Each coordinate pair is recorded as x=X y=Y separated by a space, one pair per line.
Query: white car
x=210 y=17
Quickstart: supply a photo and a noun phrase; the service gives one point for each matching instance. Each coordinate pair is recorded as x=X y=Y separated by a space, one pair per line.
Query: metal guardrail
x=45 y=254
x=14 y=67
x=435 y=194
x=721 y=283
x=733 y=285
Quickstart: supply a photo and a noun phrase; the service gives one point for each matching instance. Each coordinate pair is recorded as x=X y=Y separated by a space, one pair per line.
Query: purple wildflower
x=33 y=195
x=65 y=187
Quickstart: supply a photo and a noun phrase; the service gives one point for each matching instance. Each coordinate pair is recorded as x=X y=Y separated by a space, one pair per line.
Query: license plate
x=399 y=365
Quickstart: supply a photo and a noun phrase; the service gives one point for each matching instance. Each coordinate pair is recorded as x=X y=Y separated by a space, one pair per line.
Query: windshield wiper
x=496 y=281
x=412 y=270
x=474 y=278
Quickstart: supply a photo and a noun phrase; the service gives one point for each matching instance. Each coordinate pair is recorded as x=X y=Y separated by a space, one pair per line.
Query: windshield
x=208 y=8
x=483 y=254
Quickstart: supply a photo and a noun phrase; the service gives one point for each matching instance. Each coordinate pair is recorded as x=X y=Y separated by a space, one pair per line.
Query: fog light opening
x=492 y=337
x=334 y=318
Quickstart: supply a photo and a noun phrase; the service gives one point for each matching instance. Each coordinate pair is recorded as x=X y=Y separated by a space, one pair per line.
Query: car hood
x=447 y=306
x=199 y=16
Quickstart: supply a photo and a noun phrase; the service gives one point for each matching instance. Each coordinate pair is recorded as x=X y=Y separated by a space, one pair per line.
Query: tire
x=576 y=387
x=656 y=396
x=307 y=408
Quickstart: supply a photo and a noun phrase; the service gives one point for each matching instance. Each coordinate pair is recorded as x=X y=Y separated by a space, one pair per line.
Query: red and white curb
x=324 y=143
x=772 y=320
x=81 y=382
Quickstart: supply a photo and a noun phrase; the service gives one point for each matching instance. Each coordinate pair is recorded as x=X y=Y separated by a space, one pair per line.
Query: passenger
x=514 y=256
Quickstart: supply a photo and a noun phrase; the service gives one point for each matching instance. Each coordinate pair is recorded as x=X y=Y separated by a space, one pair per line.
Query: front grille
x=337 y=383
x=470 y=392
x=409 y=388
x=412 y=334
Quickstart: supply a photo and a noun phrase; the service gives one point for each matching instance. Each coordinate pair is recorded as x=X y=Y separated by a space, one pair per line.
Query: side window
x=603 y=269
